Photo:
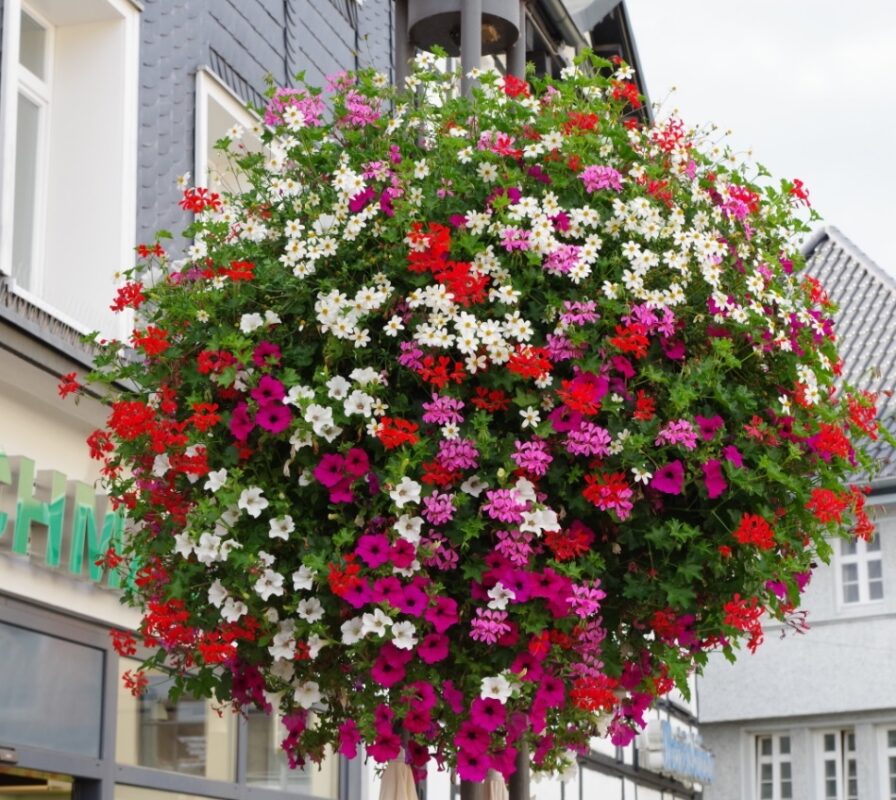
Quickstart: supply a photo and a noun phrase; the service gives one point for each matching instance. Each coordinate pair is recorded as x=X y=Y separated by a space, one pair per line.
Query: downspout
x=565 y=24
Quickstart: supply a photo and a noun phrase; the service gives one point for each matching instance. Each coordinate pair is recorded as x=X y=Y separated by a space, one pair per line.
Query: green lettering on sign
x=91 y=528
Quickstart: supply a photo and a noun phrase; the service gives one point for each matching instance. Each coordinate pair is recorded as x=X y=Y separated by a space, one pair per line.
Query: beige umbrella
x=397 y=782
x=495 y=788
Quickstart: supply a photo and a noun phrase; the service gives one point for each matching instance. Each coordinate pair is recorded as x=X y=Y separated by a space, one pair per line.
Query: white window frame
x=210 y=86
x=13 y=78
x=776 y=759
x=841 y=757
x=861 y=559
x=887 y=752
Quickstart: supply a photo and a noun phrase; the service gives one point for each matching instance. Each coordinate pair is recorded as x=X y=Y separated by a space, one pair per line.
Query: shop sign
x=676 y=752
x=62 y=524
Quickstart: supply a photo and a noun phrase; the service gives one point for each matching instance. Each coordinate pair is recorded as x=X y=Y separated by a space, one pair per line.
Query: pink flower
x=550 y=692
x=503 y=505
x=373 y=549
x=453 y=697
x=413 y=599
x=669 y=479
x=709 y=426
x=241 y=424
x=269 y=390
x=588 y=440
x=349 y=738
x=458 y=454
x=402 y=554
x=443 y=410
x=532 y=456
x=564 y=419
x=386 y=747
x=678 y=431
x=443 y=614
x=472 y=765
x=266 y=354
x=713 y=478
x=733 y=456
x=471 y=736
x=488 y=713
x=357 y=462
x=489 y=625
x=433 y=648
x=438 y=508
x=596 y=177
x=274 y=417
x=330 y=469
x=389 y=667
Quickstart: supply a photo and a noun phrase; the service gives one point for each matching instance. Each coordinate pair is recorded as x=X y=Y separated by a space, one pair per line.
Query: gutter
x=560 y=16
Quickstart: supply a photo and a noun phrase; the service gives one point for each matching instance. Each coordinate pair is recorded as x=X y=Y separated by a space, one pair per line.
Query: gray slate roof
x=865 y=325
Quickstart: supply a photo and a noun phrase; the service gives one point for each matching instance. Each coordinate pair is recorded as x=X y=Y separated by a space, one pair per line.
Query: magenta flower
x=386 y=747
x=349 y=738
x=709 y=426
x=433 y=648
x=551 y=693
x=443 y=410
x=413 y=599
x=488 y=626
x=503 y=505
x=389 y=667
x=269 y=390
x=453 y=697
x=527 y=667
x=532 y=456
x=373 y=549
x=678 y=431
x=342 y=491
x=472 y=765
x=438 y=508
x=458 y=454
x=443 y=614
x=330 y=469
x=417 y=720
x=402 y=554
x=358 y=594
x=266 y=354
x=357 y=463
x=274 y=417
x=488 y=713
x=597 y=177
x=241 y=424
x=504 y=761
x=588 y=440
x=669 y=479
x=713 y=478
x=564 y=419
x=471 y=736
x=733 y=456
x=388 y=590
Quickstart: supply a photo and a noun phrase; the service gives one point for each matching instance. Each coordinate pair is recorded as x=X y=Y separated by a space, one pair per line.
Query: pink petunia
x=273 y=417
x=373 y=549
x=330 y=469
x=669 y=479
x=433 y=648
x=488 y=713
x=713 y=478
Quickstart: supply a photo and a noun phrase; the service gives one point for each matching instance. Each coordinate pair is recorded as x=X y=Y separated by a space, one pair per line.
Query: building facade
x=103 y=105
x=813 y=716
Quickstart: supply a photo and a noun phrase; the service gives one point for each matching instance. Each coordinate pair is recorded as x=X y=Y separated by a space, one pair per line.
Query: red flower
x=645 y=407
x=204 y=416
x=745 y=615
x=515 y=87
x=625 y=90
x=491 y=400
x=68 y=383
x=153 y=341
x=145 y=251
x=240 y=271
x=199 y=199
x=800 y=192
x=530 y=362
x=394 y=432
x=753 y=529
x=828 y=506
x=135 y=682
x=129 y=296
x=632 y=339
x=123 y=643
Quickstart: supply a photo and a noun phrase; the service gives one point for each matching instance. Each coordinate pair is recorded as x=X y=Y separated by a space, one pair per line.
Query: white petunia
x=297 y=393
x=404 y=635
x=281 y=527
x=302 y=578
x=216 y=479
x=233 y=610
x=338 y=388
x=307 y=694
x=499 y=596
x=217 y=594
x=183 y=544
x=358 y=402
x=496 y=688
x=544 y=519
x=252 y=501
x=408 y=528
x=251 y=322
x=408 y=491
x=315 y=644
x=310 y=609
x=209 y=548
x=352 y=630
x=270 y=583
x=473 y=486
x=375 y=623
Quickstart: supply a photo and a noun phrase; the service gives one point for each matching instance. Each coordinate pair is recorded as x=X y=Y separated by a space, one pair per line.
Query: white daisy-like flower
x=531 y=417
x=281 y=527
x=496 y=688
x=641 y=475
x=252 y=501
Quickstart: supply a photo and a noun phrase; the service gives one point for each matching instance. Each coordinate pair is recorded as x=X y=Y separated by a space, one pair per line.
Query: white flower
x=530 y=416
x=474 y=486
x=216 y=479
x=315 y=643
x=500 y=595
x=269 y=583
x=297 y=393
x=233 y=610
x=209 y=548
x=266 y=559
x=393 y=326
x=217 y=594
x=496 y=688
x=365 y=375
x=408 y=528
x=403 y=635
x=352 y=630
x=307 y=694
x=183 y=544
x=407 y=491
x=544 y=519
x=375 y=623
x=250 y=322
x=641 y=475
x=202 y=315
x=271 y=318
x=283 y=669
x=487 y=172
x=160 y=465
x=252 y=501
x=525 y=490
x=283 y=645
x=281 y=527
x=338 y=388
x=302 y=578
x=310 y=609
x=358 y=402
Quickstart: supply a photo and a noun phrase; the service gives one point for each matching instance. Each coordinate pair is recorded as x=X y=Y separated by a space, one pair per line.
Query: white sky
x=809 y=85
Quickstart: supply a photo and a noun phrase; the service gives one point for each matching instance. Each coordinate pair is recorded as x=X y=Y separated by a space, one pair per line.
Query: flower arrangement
x=469 y=422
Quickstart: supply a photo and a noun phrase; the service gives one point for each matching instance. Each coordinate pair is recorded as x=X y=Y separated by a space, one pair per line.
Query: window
x=889 y=762
x=68 y=136
x=774 y=768
x=220 y=114
x=837 y=762
x=861 y=571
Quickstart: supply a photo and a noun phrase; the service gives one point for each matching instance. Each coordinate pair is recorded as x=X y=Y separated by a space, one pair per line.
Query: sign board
x=678 y=753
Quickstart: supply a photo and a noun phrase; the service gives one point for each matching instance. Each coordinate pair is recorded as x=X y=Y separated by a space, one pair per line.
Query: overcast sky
x=810 y=85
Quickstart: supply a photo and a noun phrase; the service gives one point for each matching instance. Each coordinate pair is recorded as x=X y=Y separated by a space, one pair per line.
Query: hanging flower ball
x=467 y=423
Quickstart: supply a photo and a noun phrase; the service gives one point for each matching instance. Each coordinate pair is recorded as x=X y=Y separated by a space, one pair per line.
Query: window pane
x=766 y=772
x=830 y=743
x=830 y=769
x=873 y=545
x=851 y=593
x=51 y=692
x=891 y=740
x=766 y=792
x=186 y=736
x=847 y=547
x=33 y=46
x=786 y=790
x=876 y=590
x=851 y=744
x=785 y=771
x=850 y=573
x=267 y=765
x=875 y=571
x=27 y=135
x=765 y=745
x=784 y=745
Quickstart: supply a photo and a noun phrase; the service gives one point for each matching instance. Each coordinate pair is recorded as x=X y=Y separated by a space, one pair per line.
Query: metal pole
x=472 y=790
x=470 y=41
x=518 y=785
x=401 y=42
x=516 y=57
